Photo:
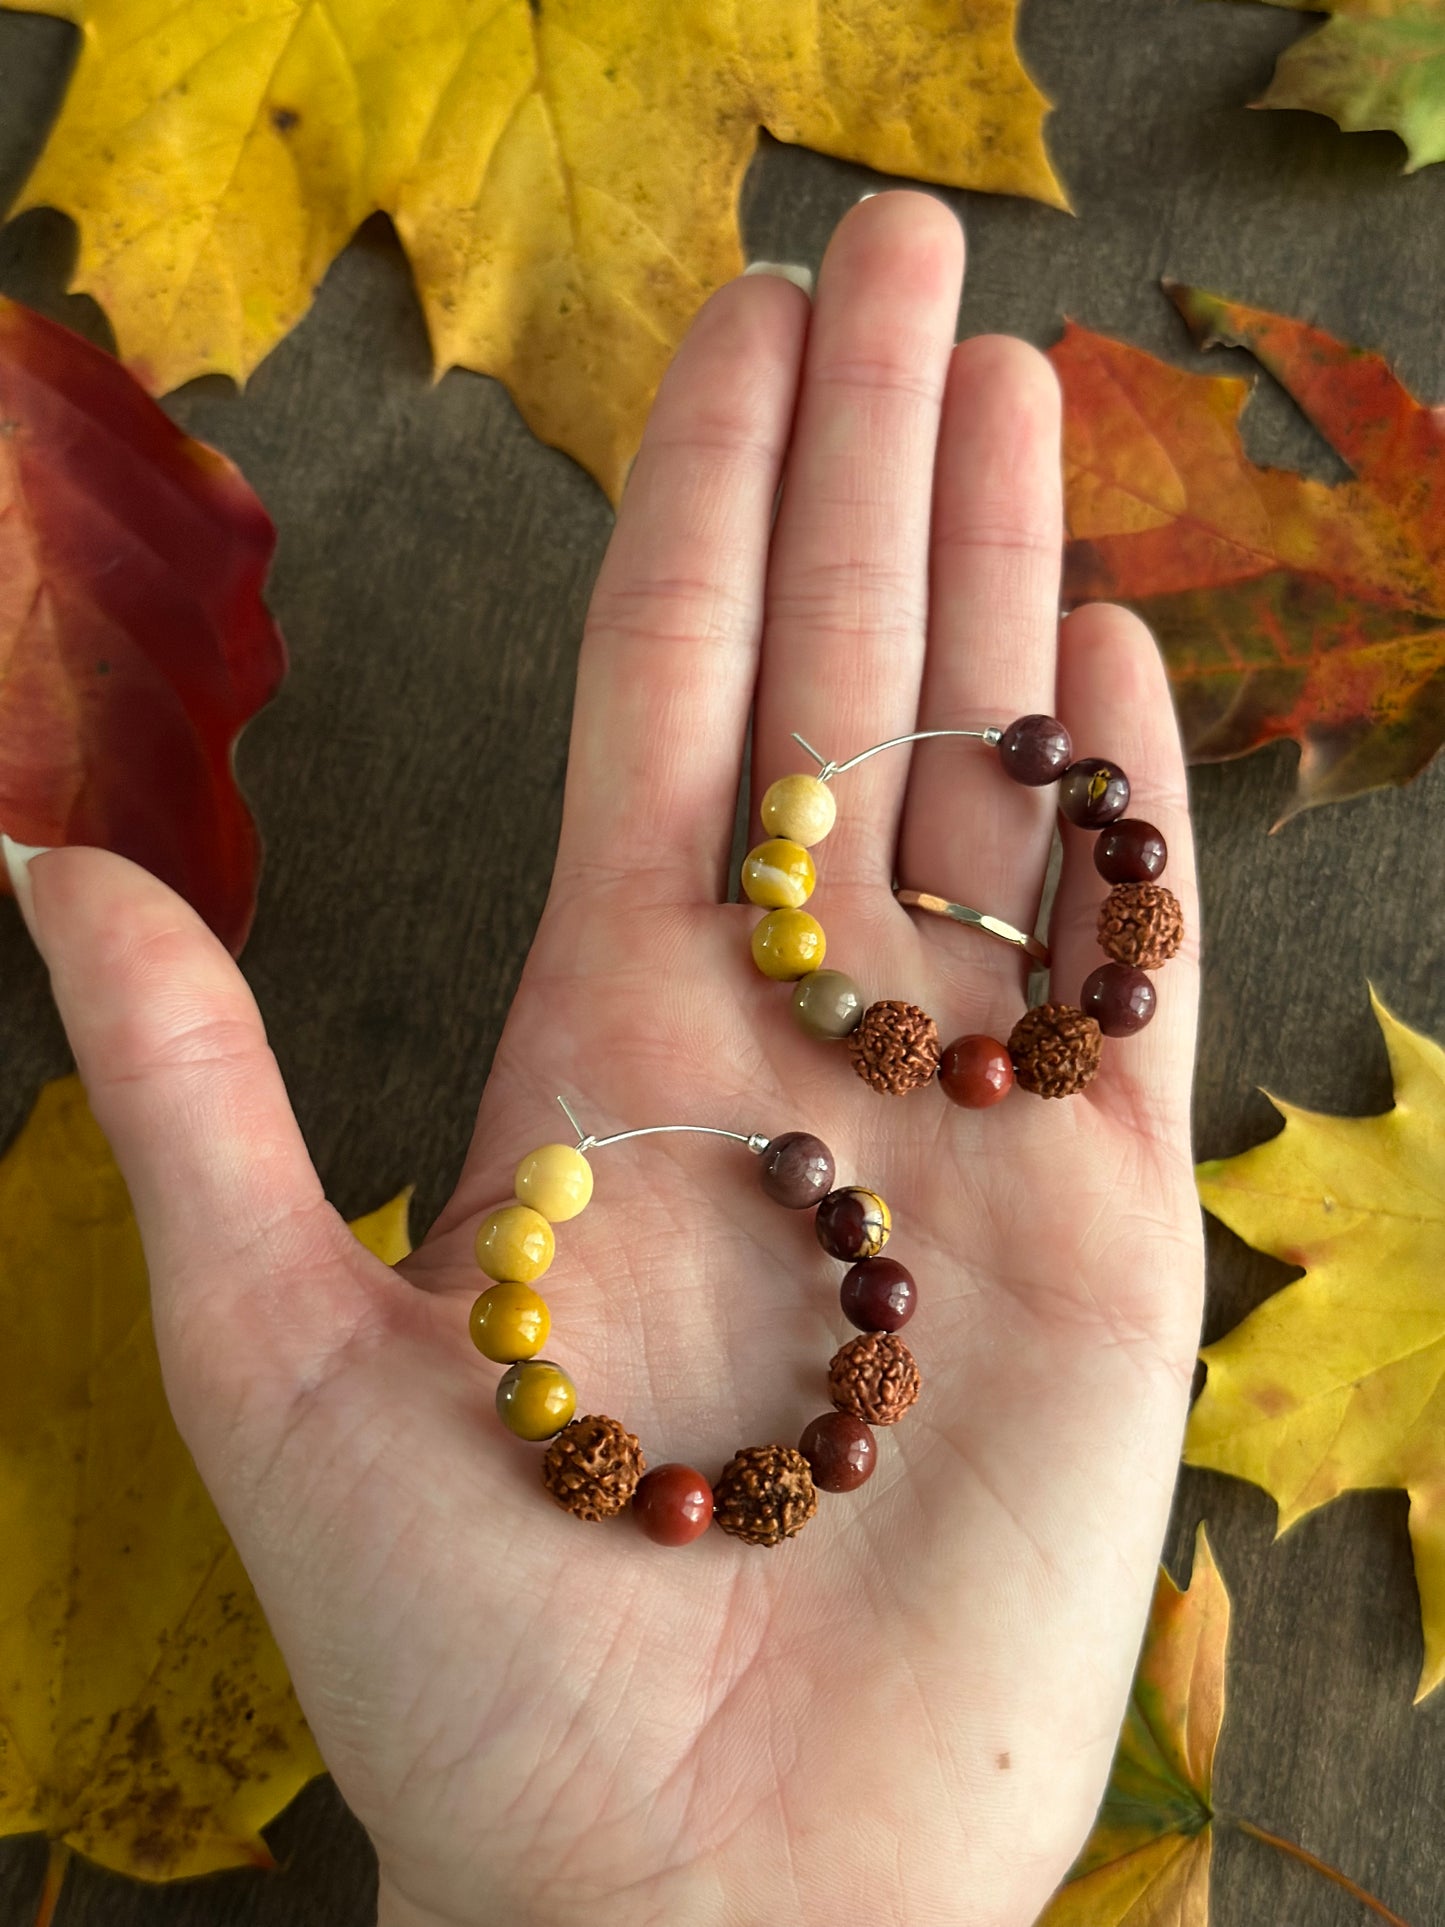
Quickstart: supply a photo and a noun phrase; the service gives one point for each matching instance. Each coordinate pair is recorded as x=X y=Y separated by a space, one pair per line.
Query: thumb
x=256 y=1282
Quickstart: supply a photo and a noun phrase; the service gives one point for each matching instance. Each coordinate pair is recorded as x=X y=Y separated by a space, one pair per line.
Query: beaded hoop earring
x=593 y=1466
x=1055 y=1049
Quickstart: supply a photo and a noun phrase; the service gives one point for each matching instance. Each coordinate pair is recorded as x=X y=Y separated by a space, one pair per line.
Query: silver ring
x=975 y=920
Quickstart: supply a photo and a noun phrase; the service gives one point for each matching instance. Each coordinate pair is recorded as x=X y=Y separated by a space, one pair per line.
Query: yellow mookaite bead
x=555 y=1180
x=799 y=808
x=509 y=1322
x=778 y=875
x=536 y=1399
x=515 y=1244
x=788 y=944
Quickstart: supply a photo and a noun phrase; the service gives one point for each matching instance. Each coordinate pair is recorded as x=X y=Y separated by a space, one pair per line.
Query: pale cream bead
x=515 y=1244
x=556 y=1180
x=800 y=808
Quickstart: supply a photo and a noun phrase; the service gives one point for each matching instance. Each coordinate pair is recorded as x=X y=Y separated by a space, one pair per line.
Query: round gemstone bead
x=673 y=1504
x=853 y=1223
x=799 y=808
x=828 y=1004
x=976 y=1071
x=535 y=1399
x=788 y=944
x=841 y=1452
x=878 y=1295
x=1120 y=999
x=778 y=875
x=556 y=1181
x=1130 y=851
x=796 y=1170
x=1093 y=793
x=515 y=1244
x=1035 y=750
x=509 y=1322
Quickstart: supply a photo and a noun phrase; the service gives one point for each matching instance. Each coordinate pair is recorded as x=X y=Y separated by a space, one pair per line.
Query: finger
x=847 y=590
x=1114 y=698
x=669 y=659
x=255 y=1280
x=969 y=833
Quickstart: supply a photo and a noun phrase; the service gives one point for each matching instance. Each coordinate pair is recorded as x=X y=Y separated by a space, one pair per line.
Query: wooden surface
x=433 y=570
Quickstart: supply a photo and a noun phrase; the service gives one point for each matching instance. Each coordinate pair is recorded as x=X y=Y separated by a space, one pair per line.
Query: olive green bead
x=801 y=808
x=828 y=1004
x=535 y=1399
x=778 y=875
x=788 y=944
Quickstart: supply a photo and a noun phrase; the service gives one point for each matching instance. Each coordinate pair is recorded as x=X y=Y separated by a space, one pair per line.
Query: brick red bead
x=1119 y=999
x=841 y=1452
x=1035 y=750
x=976 y=1071
x=878 y=1295
x=1130 y=851
x=673 y=1504
x=1093 y=792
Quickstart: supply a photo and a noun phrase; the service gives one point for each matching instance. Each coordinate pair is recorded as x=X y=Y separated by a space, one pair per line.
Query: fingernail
x=17 y=862
x=793 y=271
x=871 y=194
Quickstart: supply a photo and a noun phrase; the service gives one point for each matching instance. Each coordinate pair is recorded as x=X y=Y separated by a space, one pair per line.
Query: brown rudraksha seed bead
x=895 y=1048
x=765 y=1494
x=1141 y=924
x=592 y=1467
x=1055 y=1050
x=875 y=1377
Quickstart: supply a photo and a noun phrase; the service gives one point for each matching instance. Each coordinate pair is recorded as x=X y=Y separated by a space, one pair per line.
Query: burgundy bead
x=673 y=1504
x=1035 y=750
x=1093 y=793
x=852 y=1223
x=796 y=1170
x=841 y=1452
x=1131 y=851
x=1119 y=1000
x=976 y=1072
x=878 y=1295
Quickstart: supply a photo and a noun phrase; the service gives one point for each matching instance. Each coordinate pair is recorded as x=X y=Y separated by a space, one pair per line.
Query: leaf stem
x=1280 y=1845
x=56 y=1868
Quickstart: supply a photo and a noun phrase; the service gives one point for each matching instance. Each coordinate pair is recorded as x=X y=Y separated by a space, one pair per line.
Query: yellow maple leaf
x=146 y=1719
x=563 y=173
x=1337 y=1382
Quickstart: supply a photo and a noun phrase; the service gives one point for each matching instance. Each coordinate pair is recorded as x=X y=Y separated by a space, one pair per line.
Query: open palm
x=904 y=1715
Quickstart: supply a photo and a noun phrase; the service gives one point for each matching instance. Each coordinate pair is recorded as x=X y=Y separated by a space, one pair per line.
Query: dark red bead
x=841 y=1452
x=673 y=1504
x=852 y=1223
x=1119 y=1000
x=1130 y=851
x=796 y=1170
x=878 y=1295
x=976 y=1071
x=1035 y=750
x=1093 y=793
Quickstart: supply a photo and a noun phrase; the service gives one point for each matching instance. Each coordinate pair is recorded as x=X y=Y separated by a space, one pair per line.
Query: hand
x=905 y=1715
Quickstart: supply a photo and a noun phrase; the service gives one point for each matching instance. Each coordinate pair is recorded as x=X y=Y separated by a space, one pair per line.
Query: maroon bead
x=976 y=1071
x=1035 y=750
x=1131 y=851
x=1093 y=793
x=878 y=1295
x=1119 y=1000
x=841 y=1452
x=796 y=1170
x=673 y=1504
x=852 y=1223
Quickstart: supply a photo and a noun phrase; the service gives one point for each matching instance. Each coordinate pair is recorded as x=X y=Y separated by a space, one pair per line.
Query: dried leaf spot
x=283 y=119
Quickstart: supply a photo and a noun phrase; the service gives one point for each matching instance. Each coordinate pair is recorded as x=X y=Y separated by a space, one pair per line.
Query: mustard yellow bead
x=778 y=875
x=799 y=808
x=536 y=1399
x=555 y=1180
x=515 y=1244
x=788 y=944
x=509 y=1322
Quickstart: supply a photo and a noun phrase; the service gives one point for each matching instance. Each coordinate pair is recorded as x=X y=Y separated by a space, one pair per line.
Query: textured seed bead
x=509 y=1322
x=1093 y=793
x=515 y=1244
x=765 y=1494
x=875 y=1377
x=1141 y=924
x=796 y=1170
x=788 y=944
x=878 y=1295
x=828 y=1004
x=592 y=1466
x=673 y=1504
x=535 y=1399
x=1130 y=851
x=556 y=1180
x=778 y=875
x=799 y=808
x=1120 y=1000
x=853 y=1223
x=976 y=1072
x=895 y=1048
x=1056 y=1050
x=841 y=1451
x=1035 y=750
